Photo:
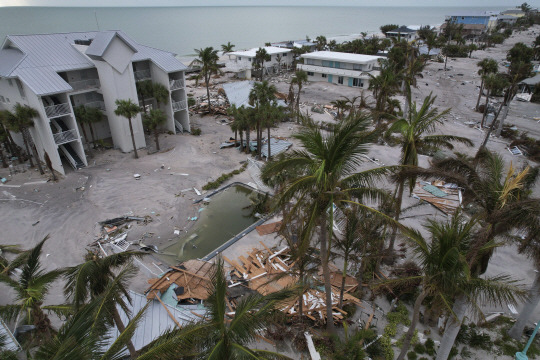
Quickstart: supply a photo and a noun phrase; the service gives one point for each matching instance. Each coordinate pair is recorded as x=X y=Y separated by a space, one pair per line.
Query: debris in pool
x=144 y=247
x=206 y=199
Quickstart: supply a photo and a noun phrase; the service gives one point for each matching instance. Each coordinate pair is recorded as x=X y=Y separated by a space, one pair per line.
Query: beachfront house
x=55 y=73
x=473 y=23
x=243 y=62
x=296 y=44
x=403 y=32
x=506 y=19
x=517 y=13
x=340 y=68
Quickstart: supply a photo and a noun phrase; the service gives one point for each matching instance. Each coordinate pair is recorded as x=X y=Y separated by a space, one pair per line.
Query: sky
x=121 y=3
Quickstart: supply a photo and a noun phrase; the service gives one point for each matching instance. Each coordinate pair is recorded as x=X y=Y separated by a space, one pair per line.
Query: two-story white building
x=340 y=68
x=243 y=61
x=54 y=73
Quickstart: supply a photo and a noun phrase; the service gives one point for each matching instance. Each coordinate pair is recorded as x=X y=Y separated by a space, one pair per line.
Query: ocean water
x=183 y=29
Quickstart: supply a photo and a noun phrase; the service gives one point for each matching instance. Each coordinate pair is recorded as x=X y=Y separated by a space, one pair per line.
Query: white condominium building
x=340 y=68
x=55 y=73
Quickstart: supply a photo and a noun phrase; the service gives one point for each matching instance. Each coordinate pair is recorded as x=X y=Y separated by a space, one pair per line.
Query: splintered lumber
x=190 y=273
x=266 y=248
x=446 y=198
x=168 y=312
x=235 y=265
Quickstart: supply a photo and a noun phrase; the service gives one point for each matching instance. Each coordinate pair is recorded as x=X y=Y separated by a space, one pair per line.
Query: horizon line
x=250 y=5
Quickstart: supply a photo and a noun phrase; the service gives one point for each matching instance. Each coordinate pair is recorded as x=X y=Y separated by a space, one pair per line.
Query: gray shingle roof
x=39 y=56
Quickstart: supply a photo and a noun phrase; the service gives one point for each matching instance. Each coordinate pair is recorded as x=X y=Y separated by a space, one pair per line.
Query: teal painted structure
x=329 y=78
x=350 y=82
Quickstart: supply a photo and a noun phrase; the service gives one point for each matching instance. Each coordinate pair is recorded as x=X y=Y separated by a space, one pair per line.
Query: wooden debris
x=445 y=197
x=267 y=229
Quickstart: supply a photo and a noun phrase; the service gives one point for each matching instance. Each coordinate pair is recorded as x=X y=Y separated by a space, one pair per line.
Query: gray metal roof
x=11 y=342
x=402 y=30
x=238 y=92
x=532 y=80
x=102 y=41
x=9 y=58
x=43 y=53
x=154 y=322
x=277 y=146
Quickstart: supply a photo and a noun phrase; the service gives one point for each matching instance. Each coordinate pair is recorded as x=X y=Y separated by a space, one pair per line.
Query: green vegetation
x=224 y=177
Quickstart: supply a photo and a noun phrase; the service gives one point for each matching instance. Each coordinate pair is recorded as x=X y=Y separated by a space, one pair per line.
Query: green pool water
x=227 y=214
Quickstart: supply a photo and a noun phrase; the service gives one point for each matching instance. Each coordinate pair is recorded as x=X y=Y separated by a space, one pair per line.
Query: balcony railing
x=96 y=104
x=85 y=84
x=176 y=84
x=179 y=105
x=57 y=110
x=65 y=136
x=334 y=71
x=142 y=75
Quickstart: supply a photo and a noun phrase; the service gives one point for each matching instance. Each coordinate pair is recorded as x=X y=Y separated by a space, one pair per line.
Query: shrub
x=419 y=349
x=224 y=177
x=191 y=101
x=196 y=131
x=430 y=347
x=411 y=355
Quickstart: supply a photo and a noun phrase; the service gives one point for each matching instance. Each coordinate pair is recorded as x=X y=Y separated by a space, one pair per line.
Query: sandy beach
x=68 y=211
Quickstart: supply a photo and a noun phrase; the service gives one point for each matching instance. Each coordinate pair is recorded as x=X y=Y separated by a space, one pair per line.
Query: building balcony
x=57 y=110
x=176 y=84
x=142 y=75
x=337 y=72
x=90 y=84
x=179 y=105
x=65 y=137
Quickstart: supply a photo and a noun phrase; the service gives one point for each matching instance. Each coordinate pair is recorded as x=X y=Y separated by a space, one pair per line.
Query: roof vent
x=86 y=42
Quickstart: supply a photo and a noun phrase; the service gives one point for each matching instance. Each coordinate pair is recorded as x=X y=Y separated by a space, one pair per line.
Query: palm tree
x=446 y=273
x=129 y=110
x=384 y=85
x=323 y=175
x=30 y=291
x=208 y=58
x=107 y=278
x=415 y=137
x=431 y=41
x=260 y=57
x=493 y=83
x=6 y=266
x=222 y=335
x=4 y=129
x=227 y=48
x=94 y=115
x=341 y=105
x=153 y=121
x=351 y=104
x=81 y=115
x=20 y=120
x=161 y=93
x=300 y=79
x=320 y=43
x=270 y=115
x=261 y=94
x=145 y=89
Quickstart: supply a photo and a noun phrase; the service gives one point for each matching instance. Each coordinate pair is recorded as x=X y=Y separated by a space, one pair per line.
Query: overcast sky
x=98 y=3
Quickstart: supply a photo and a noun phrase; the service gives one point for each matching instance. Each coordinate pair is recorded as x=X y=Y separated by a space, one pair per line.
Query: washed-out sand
x=69 y=215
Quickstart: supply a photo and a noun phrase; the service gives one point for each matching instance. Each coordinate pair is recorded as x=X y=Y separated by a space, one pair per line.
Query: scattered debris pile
x=445 y=197
x=186 y=284
x=267 y=271
x=114 y=231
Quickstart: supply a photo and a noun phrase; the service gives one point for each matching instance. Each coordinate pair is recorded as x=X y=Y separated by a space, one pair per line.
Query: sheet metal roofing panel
x=163 y=59
x=277 y=146
x=43 y=81
x=339 y=56
x=154 y=322
x=9 y=58
x=103 y=39
x=52 y=50
x=11 y=342
x=532 y=81
x=238 y=92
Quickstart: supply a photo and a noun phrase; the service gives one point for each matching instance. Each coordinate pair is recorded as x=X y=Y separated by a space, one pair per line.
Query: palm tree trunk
x=86 y=140
x=298 y=102
x=326 y=274
x=91 y=126
x=156 y=135
x=412 y=328
x=479 y=94
x=38 y=162
x=121 y=329
x=207 y=79
x=399 y=200
x=133 y=139
x=534 y=297
x=453 y=325
x=485 y=110
x=343 y=278
x=241 y=140
x=269 y=154
x=492 y=126
x=259 y=140
x=247 y=141
x=12 y=146
x=25 y=140
x=4 y=160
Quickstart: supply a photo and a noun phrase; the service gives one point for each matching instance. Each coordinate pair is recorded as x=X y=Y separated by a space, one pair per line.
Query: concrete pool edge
x=241 y=234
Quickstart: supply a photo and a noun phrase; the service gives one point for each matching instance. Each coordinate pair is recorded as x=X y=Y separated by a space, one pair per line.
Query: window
x=326 y=63
x=21 y=89
x=2 y=99
x=357 y=66
x=284 y=55
x=7 y=99
x=337 y=65
x=310 y=73
x=357 y=83
x=323 y=75
x=239 y=58
x=249 y=59
x=310 y=61
x=340 y=80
